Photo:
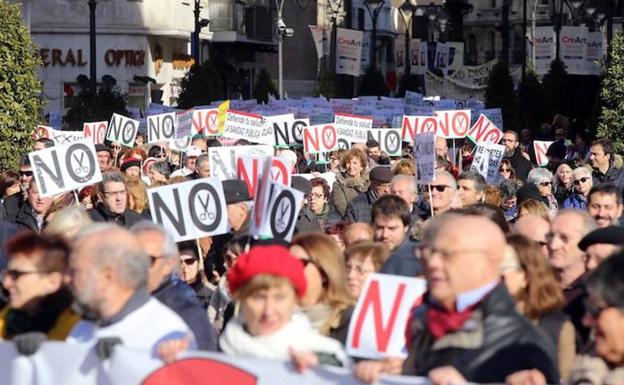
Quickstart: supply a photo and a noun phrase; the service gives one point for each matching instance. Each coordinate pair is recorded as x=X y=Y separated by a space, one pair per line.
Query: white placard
x=348 y=51
x=57 y=136
x=320 y=138
x=206 y=122
x=389 y=140
x=251 y=127
x=223 y=159
x=161 y=127
x=541 y=147
x=424 y=156
x=353 y=128
x=96 y=131
x=453 y=124
x=122 y=130
x=487 y=160
x=485 y=131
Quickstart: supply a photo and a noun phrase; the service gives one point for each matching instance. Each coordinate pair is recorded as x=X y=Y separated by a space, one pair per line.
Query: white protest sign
x=320 y=138
x=249 y=168
x=424 y=155
x=484 y=131
x=206 y=122
x=161 y=127
x=414 y=125
x=377 y=327
x=57 y=136
x=96 y=131
x=543 y=48
x=190 y=210
x=353 y=128
x=243 y=125
x=348 y=51
x=453 y=124
x=286 y=129
x=180 y=145
x=573 y=47
x=389 y=140
x=65 y=167
x=281 y=211
x=122 y=130
x=223 y=160
x=541 y=147
x=487 y=160
x=184 y=124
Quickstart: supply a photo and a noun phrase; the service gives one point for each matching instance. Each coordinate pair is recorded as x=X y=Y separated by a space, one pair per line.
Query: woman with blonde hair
x=404 y=167
x=67 y=222
x=363 y=259
x=328 y=303
x=533 y=207
x=137 y=195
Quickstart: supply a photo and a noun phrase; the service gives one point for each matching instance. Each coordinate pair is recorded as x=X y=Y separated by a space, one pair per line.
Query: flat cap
x=235 y=191
x=382 y=174
x=301 y=184
x=611 y=235
x=101 y=147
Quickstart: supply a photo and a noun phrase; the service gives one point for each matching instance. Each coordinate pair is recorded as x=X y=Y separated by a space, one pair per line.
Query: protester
x=513 y=153
x=404 y=167
x=10 y=194
x=87 y=197
x=601 y=158
x=493 y=213
x=508 y=190
x=131 y=167
x=25 y=172
x=604 y=204
x=351 y=182
x=39 y=299
x=563 y=182
x=471 y=188
x=405 y=187
x=113 y=206
x=306 y=218
x=492 y=196
x=535 y=228
x=358 y=209
x=441 y=148
x=43 y=143
x=32 y=212
x=67 y=222
x=356 y=232
x=160 y=172
x=542 y=178
x=531 y=282
x=506 y=170
x=583 y=183
x=391 y=223
x=191 y=271
x=266 y=283
x=104 y=155
x=363 y=259
x=318 y=199
x=567 y=229
x=443 y=189
x=109 y=274
x=533 y=207
x=137 y=196
x=190 y=158
x=202 y=167
x=601 y=243
x=327 y=301
x=374 y=153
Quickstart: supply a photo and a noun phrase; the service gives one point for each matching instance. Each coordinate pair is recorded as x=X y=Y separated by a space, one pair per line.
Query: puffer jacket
x=494 y=343
x=345 y=189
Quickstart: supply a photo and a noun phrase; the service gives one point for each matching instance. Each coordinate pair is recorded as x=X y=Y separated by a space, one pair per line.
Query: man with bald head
x=109 y=274
x=534 y=228
x=468 y=330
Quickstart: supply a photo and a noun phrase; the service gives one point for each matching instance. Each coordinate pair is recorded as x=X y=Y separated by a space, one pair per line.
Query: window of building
x=361 y=19
x=493 y=3
x=136 y=95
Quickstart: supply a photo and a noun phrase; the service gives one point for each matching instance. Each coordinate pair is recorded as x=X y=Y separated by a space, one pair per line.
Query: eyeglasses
x=358 y=269
x=16 y=274
x=189 y=261
x=509 y=140
x=115 y=193
x=545 y=184
x=26 y=173
x=581 y=180
x=317 y=196
x=439 y=187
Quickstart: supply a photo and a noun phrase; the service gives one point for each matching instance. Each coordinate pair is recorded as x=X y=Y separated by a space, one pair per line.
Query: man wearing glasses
x=113 y=206
x=520 y=164
x=443 y=190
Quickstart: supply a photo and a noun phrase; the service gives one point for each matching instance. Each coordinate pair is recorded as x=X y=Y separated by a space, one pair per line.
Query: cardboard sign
x=279 y=206
x=485 y=131
x=487 y=160
x=223 y=160
x=180 y=145
x=320 y=138
x=377 y=327
x=58 y=137
x=242 y=125
x=286 y=129
x=389 y=140
x=249 y=167
x=161 y=127
x=424 y=156
x=96 y=131
x=65 y=168
x=122 y=130
x=352 y=127
x=184 y=124
x=414 y=125
x=190 y=210
x=453 y=124
x=206 y=122
x=541 y=147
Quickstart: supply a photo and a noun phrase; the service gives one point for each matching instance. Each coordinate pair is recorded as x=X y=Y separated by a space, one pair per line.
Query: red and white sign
x=485 y=131
x=96 y=131
x=320 y=138
x=453 y=124
x=249 y=167
x=206 y=122
x=414 y=125
x=540 y=147
x=377 y=327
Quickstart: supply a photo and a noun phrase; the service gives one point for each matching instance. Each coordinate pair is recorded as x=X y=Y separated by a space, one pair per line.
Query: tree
x=611 y=119
x=373 y=83
x=97 y=106
x=20 y=90
x=531 y=109
x=328 y=85
x=264 y=86
x=201 y=86
x=557 y=92
x=409 y=83
x=500 y=93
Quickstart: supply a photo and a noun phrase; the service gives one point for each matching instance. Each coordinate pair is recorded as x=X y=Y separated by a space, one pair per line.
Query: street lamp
x=374 y=8
x=282 y=31
x=199 y=24
x=576 y=8
x=407 y=11
x=334 y=32
x=505 y=53
x=92 y=53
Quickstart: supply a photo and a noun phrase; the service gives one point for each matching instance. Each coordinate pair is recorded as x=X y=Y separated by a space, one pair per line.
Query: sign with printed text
x=161 y=127
x=487 y=160
x=541 y=147
x=190 y=210
x=57 y=136
x=280 y=211
x=377 y=327
x=122 y=130
x=389 y=140
x=320 y=138
x=453 y=124
x=251 y=127
x=424 y=156
x=96 y=131
x=353 y=128
x=414 y=125
x=485 y=131
x=184 y=124
x=348 y=51
x=223 y=160
x=206 y=122
x=65 y=168
x=249 y=167
x=286 y=129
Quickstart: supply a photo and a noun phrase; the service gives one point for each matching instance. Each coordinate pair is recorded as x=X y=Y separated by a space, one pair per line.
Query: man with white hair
x=443 y=190
x=405 y=187
x=109 y=274
x=167 y=288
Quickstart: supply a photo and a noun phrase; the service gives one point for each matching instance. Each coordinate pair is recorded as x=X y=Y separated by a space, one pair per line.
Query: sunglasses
x=16 y=274
x=440 y=187
x=545 y=184
x=26 y=173
x=189 y=261
x=582 y=180
x=505 y=170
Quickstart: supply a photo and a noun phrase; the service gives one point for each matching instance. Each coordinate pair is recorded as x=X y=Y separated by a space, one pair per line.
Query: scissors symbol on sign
x=81 y=168
x=206 y=214
x=280 y=221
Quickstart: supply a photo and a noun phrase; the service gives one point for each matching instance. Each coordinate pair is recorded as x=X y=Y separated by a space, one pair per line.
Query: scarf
x=43 y=319
x=441 y=322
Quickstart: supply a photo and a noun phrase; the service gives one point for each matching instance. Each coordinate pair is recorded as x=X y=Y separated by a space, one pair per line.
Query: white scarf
x=297 y=333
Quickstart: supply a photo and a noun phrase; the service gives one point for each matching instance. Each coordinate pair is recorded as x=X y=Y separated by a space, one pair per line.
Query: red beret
x=272 y=260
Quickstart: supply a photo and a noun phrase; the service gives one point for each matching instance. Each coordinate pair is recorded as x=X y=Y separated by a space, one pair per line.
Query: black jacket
x=613 y=176
x=26 y=218
x=359 y=209
x=494 y=343
x=12 y=204
x=181 y=298
x=403 y=261
x=102 y=214
x=520 y=164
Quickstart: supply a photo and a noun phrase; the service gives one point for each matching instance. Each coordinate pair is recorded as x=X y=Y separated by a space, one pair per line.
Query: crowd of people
x=525 y=278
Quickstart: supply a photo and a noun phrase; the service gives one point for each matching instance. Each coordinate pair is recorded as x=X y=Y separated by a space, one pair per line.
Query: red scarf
x=441 y=322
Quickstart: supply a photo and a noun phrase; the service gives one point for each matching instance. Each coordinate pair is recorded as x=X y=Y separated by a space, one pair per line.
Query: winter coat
x=613 y=176
x=359 y=209
x=575 y=201
x=307 y=221
x=102 y=214
x=345 y=189
x=403 y=261
x=520 y=164
x=27 y=219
